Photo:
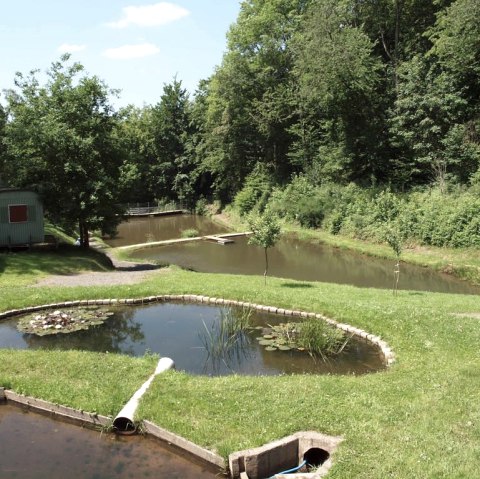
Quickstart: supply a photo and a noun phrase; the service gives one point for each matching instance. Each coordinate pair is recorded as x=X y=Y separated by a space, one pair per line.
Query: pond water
x=146 y=229
x=181 y=331
x=301 y=260
x=37 y=447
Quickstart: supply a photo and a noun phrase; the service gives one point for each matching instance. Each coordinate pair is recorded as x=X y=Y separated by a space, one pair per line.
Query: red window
x=18 y=213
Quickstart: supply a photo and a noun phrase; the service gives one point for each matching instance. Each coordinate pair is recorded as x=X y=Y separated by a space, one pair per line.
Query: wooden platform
x=218 y=239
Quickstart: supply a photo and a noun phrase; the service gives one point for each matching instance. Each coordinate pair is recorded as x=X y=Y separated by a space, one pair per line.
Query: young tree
x=265 y=233
x=60 y=142
x=394 y=239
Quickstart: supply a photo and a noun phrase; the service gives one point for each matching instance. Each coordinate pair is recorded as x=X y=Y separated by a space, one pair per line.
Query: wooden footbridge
x=222 y=239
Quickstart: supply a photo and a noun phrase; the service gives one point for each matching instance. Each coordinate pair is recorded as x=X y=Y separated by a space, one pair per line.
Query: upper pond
x=290 y=258
x=146 y=229
x=183 y=331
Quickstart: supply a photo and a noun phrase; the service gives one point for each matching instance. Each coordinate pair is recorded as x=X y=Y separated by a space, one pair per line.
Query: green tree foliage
x=3 y=123
x=170 y=127
x=265 y=233
x=61 y=142
x=336 y=69
x=250 y=96
x=255 y=191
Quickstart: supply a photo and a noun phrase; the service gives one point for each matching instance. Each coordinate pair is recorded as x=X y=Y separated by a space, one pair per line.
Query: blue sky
x=133 y=45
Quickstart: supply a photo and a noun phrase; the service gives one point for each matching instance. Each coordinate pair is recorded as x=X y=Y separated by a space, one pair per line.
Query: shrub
x=255 y=192
x=201 y=207
x=189 y=233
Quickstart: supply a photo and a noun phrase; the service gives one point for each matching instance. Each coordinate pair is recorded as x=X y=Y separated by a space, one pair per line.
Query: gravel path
x=99 y=278
x=125 y=272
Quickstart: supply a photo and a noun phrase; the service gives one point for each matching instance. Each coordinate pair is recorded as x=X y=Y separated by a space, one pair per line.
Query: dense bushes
x=255 y=191
x=426 y=217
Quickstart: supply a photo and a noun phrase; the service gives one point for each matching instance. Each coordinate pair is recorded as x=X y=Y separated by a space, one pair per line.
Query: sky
x=136 y=46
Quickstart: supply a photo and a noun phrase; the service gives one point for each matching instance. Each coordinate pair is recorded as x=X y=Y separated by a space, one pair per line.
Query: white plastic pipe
x=124 y=422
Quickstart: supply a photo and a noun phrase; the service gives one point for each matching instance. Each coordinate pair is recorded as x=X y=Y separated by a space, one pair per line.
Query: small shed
x=21 y=217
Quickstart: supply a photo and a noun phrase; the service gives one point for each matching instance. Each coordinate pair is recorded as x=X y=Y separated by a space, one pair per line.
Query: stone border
x=388 y=354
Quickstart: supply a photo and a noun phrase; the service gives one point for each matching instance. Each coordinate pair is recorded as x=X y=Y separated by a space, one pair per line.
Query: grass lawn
x=419 y=419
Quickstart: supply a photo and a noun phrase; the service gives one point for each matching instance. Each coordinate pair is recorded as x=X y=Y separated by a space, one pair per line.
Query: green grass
x=419 y=419
x=25 y=267
x=93 y=382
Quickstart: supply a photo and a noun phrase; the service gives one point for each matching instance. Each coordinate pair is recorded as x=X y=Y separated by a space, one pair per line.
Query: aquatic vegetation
x=228 y=333
x=66 y=321
x=189 y=233
x=313 y=336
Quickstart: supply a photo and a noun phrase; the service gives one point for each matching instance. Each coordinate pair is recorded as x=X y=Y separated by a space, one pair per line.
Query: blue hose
x=288 y=471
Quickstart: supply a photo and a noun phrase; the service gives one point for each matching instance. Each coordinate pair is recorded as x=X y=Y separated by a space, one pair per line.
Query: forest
x=358 y=116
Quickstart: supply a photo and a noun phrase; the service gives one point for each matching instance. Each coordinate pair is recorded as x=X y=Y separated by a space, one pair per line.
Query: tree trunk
x=84 y=237
x=266 y=266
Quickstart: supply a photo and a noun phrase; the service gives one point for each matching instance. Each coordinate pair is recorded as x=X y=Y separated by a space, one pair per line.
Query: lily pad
x=65 y=321
x=266 y=342
x=270 y=348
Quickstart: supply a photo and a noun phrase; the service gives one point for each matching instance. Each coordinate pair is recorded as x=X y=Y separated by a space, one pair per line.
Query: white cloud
x=150 y=15
x=127 y=52
x=70 y=48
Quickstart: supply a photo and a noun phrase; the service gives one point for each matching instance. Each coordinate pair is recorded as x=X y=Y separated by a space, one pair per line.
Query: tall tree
x=60 y=142
x=170 y=128
x=338 y=75
x=249 y=105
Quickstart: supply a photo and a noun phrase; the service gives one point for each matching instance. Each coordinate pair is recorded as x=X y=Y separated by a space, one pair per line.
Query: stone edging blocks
x=388 y=354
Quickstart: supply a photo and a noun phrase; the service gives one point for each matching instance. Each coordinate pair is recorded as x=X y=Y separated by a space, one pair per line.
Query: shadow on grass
x=65 y=260
x=296 y=285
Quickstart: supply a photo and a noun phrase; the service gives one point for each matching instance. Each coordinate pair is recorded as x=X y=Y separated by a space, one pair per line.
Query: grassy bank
x=418 y=419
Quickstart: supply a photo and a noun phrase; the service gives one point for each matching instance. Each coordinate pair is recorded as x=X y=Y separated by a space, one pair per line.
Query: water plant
x=320 y=339
x=66 y=321
x=189 y=233
x=313 y=336
x=228 y=335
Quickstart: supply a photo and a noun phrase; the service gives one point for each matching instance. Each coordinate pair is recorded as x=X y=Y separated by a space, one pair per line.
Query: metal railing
x=152 y=208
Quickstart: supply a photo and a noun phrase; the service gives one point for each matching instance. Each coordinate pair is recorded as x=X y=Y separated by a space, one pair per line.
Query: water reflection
x=175 y=331
x=37 y=447
x=139 y=230
x=121 y=335
x=304 y=261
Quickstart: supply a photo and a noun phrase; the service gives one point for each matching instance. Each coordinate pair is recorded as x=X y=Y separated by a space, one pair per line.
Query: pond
x=182 y=332
x=37 y=447
x=301 y=260
x=147 y=229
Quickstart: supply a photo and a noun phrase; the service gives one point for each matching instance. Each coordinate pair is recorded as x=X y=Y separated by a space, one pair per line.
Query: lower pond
x=145 y=229
x=188 y=334
x=37 y=447
x=301 y=260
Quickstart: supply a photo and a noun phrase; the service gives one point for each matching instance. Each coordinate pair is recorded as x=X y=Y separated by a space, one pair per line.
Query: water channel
x=291 y=258
x=182 y=331
x=37 y=447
